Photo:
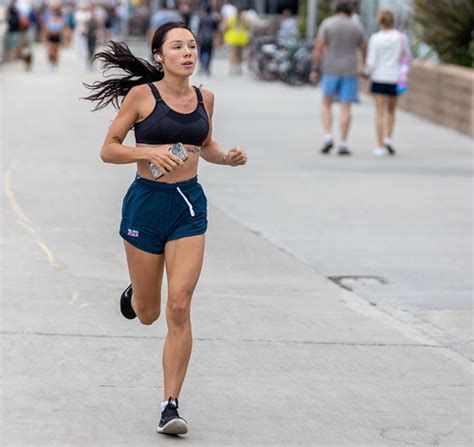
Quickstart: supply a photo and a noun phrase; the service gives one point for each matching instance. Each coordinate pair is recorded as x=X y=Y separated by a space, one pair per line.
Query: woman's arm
x=371 y=58
x=113 y=151
x=211 y=151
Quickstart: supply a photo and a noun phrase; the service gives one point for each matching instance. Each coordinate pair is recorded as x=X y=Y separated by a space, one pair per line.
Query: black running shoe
x=126 y=303
x=171 y=423
x=344 y=151
x=390 y=149
x=327 y=147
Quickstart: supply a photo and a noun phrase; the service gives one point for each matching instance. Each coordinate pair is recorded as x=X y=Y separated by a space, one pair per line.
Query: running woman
x=164 y=220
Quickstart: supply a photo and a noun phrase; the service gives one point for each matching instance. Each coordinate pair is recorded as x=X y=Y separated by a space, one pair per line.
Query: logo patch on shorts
x=133 y=233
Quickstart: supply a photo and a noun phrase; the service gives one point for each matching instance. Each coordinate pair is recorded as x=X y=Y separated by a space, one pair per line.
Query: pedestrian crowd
x=342 y=54
x=58 y=26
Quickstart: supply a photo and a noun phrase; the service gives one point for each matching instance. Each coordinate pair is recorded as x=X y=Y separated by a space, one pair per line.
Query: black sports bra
x=164 y=125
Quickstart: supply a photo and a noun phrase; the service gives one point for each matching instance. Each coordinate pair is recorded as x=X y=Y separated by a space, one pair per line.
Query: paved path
x=282 y=356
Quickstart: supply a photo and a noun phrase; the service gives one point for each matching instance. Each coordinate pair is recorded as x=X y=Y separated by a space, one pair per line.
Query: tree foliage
x=324 y=11
x=447 y=27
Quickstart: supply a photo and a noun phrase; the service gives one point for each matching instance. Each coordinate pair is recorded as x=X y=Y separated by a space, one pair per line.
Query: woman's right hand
x=163 y=159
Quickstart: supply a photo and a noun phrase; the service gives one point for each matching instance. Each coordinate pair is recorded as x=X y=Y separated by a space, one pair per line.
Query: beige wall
x=441 y=93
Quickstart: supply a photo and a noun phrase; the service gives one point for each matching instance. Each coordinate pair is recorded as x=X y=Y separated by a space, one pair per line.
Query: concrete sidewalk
x=282 y=356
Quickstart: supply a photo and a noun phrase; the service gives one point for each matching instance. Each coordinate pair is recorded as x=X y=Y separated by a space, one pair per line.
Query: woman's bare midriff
x=186 y=171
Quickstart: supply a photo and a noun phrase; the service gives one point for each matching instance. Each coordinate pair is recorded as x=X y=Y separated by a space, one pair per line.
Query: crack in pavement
x=219 y=339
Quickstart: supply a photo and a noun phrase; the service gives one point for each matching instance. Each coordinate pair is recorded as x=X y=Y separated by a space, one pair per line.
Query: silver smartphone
x=178 y=150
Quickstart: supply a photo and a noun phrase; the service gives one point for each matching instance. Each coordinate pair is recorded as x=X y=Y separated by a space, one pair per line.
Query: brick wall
x=441 y=93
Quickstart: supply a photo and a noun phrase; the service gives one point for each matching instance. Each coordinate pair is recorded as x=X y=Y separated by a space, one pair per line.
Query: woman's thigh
x=184 y=258
x=379 y=102
x=146 y=273
x=392 y=103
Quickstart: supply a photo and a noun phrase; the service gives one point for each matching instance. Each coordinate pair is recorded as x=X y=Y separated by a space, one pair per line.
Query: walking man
x=337 y=46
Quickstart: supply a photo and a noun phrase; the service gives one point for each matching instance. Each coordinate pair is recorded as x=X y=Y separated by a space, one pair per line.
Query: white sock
x=165 y=402
x=388 y=141
x=327 y=137
x=343 y=144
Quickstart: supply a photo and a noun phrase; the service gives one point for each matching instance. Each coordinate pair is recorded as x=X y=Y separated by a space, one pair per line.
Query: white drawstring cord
x=191 y=210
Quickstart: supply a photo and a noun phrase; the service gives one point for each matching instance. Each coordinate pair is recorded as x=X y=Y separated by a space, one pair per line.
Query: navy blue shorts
x=154 y=213
x=382 y=88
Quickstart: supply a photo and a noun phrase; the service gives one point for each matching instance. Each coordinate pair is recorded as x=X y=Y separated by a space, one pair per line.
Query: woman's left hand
x=236 y=157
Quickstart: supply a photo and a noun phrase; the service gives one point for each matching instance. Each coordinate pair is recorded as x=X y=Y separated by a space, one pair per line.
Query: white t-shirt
x=385 y=50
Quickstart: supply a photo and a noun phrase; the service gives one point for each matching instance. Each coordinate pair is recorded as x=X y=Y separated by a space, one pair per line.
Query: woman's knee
x=146 y=302
x=179 y=307
x=147 y=316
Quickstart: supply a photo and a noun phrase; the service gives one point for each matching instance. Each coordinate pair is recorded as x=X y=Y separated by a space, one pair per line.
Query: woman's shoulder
x=207 y=95
x=138 y=92
x=136 y=96
x=208 y=98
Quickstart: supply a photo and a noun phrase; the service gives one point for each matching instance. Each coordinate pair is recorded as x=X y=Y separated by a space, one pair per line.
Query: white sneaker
x=379 y=152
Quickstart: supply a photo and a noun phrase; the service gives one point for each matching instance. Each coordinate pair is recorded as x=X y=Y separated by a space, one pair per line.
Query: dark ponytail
x=139 y=71
x=118 y=55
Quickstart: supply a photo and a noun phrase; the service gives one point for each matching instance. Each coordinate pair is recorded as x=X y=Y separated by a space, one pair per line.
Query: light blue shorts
x=346 y=88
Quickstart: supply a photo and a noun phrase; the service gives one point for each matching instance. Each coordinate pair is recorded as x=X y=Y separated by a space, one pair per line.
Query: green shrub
x=324 y=11
x=447 y=27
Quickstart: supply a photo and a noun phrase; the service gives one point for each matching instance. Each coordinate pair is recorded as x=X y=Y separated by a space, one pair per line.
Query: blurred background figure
x=100 y=15
x=117 y=18
x=92 y=32
x=184 y=9
x=68 y=16
x=13 y=31
x=166 y=13
x=110 y=10
x=19 y=33
x=337 y=44
x=3 y=31
x=228 y=10
x=81 y=19
x=387 y=49
x=207 y=33
x=44 y=14
x=54 y=37
x=237 y=36
x=289 y=26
